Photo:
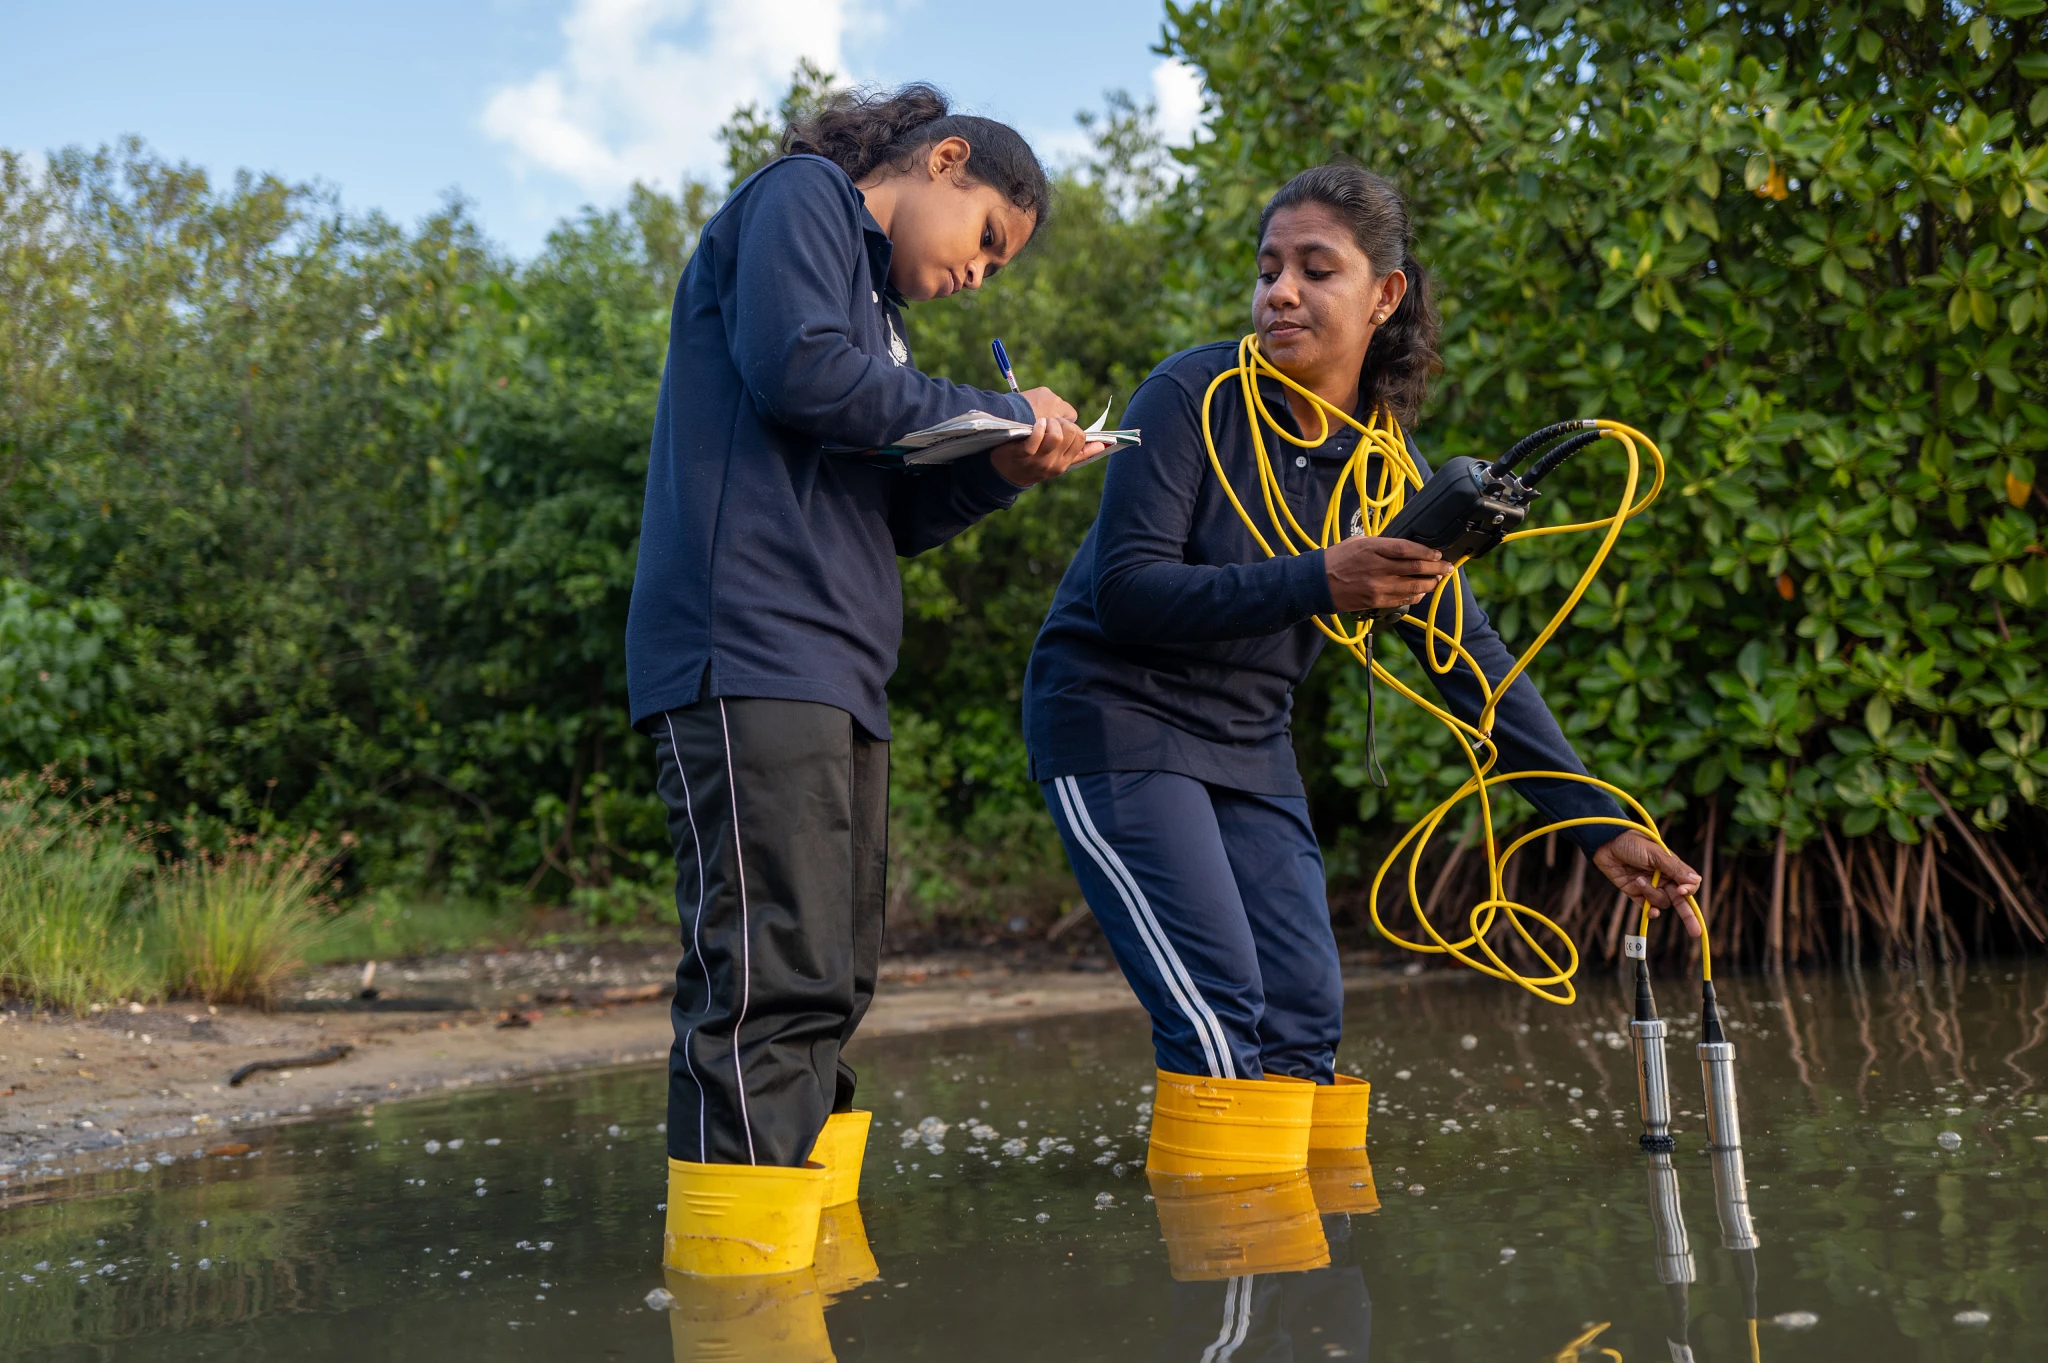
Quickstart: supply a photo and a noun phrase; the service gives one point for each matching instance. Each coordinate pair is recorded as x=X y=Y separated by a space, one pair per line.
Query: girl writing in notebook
x=766 y=615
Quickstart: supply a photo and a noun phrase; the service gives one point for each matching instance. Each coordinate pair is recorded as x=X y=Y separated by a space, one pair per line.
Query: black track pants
x=778 y=810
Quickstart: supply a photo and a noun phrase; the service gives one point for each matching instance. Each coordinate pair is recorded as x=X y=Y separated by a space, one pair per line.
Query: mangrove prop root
x=290 y=1062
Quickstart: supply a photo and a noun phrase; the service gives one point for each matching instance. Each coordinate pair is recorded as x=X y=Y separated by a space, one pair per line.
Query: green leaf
x=1644 y=309
x=1858 y=822
x=1877 y=717
x=2037 y=114
x=1750 y=662
x=1983 y=309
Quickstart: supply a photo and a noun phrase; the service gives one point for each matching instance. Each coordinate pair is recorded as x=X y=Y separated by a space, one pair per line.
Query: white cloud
x=642 y=85
x=1177 y=90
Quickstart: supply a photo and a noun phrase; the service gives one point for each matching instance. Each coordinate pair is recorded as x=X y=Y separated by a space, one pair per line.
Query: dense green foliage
x=311 y=521
x=321 y=523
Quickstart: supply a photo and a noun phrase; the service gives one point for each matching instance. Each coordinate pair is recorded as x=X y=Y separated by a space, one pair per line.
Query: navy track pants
x=1213 y=901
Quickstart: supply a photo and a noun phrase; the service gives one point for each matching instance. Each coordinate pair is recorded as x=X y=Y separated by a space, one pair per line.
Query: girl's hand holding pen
x=1056 y=442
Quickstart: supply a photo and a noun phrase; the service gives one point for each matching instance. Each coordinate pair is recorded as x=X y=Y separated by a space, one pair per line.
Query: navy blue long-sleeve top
x=768 y=565
x=1175 y=644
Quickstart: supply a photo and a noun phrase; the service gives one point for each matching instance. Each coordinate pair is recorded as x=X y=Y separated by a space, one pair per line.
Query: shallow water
x=524 y=1222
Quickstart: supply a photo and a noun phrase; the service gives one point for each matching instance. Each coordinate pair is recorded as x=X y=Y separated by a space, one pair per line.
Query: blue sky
x=531 y=108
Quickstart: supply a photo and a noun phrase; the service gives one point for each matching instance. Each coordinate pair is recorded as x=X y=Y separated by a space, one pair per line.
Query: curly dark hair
x=864 y=130
x=1403 y=354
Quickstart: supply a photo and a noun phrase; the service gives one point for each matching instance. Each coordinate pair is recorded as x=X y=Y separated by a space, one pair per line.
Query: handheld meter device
x=1469 y=505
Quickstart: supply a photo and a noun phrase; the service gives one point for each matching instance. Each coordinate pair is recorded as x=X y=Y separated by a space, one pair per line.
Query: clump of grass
x=70 y=935
x=236 y=926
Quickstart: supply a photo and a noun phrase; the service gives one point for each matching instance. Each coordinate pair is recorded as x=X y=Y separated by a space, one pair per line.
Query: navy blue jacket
x=767 y=566
x=1174 y=644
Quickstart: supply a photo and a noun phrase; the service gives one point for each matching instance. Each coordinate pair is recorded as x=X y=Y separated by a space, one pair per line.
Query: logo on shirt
x=898 y=351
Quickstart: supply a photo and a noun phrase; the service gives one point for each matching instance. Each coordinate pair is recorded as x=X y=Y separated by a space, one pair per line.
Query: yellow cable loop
x=1573 y=1349
x=1398 y=474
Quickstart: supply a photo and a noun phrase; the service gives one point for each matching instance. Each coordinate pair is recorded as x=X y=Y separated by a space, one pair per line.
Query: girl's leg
x=772 y=813
x=1278 y=871
x=1146 y=849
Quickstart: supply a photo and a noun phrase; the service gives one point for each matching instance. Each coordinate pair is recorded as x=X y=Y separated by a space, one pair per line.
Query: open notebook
x=971 y=433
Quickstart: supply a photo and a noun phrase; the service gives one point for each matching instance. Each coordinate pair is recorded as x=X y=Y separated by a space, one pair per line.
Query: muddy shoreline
x=151 y=1084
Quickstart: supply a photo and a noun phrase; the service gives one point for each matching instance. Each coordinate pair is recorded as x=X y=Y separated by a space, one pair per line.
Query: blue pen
x=1003 y=363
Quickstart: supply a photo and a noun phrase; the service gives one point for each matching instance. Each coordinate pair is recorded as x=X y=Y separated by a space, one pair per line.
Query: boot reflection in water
x=1223 y=1227
x=1341 y=1181
x=844 y=1260
x=758 y=1318
x=1338 y=1171
x=1275 y=1315
x=772 y=1317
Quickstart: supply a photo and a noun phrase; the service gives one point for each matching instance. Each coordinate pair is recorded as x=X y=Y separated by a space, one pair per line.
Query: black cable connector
x=1545 y=466
x=1646 y=1006
x=1710 y=1016
x=1521 y=447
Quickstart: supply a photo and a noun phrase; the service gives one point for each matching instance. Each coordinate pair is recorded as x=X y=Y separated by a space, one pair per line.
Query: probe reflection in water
x=1675 y=1267
x=1738 y=1231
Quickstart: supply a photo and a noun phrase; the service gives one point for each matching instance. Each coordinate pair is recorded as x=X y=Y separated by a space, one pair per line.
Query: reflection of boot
x=844 y=1260
x=1342 y=1182
x=1223 y=1227
x=840 y=1148
x=741 y=1218
x=1203 y=1126
x=1342 y=1107
x=764 y=1318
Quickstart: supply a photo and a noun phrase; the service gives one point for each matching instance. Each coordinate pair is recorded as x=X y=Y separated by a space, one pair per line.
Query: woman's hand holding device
x=1368 y=572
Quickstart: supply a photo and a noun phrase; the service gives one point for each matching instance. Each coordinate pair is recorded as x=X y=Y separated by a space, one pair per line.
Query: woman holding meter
x=1157 y=698
x=766 y=615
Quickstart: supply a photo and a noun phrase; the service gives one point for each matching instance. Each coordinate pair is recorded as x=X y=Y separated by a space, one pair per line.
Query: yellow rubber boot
x=1203 y=1126
x=765 y=1318
x=1341 y=1110
x=729 y=1219
x=840 y=1148
x=1225 y=1227
x=844 y=1260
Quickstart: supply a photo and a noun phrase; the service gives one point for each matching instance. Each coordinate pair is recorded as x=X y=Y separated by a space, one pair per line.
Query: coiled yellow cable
x=1381 y=435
